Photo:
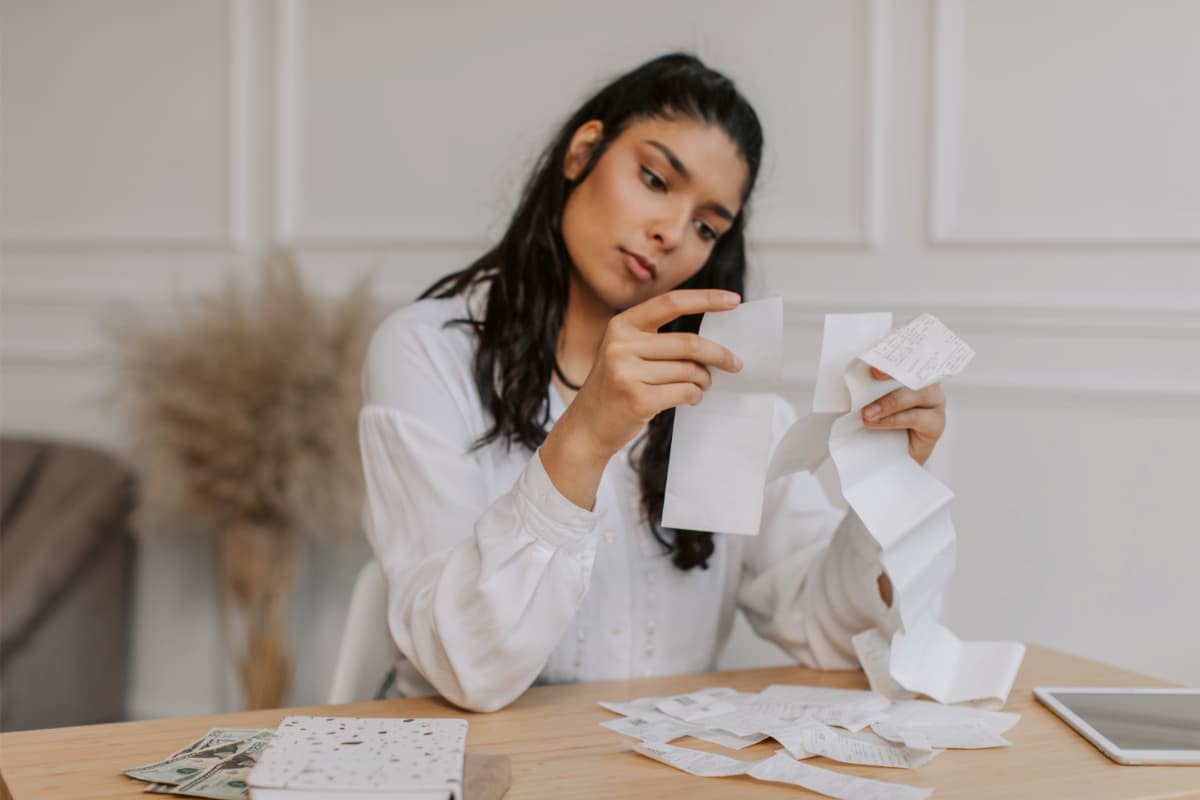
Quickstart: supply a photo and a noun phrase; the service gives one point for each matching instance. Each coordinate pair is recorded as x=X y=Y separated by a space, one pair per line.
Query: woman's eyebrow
x=677 y=165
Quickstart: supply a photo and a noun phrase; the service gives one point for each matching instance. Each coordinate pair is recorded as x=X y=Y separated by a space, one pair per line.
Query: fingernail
x=737 y=362
x=872 y=411
x=732 y=299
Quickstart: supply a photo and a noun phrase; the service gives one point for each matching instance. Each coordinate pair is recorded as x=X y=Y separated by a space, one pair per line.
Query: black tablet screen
x=1140 y=721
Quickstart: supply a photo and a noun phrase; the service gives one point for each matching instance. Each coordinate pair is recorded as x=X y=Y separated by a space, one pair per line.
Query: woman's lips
x=640 y=270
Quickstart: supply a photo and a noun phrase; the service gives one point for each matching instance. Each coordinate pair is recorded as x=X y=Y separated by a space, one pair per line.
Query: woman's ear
x=583 y=144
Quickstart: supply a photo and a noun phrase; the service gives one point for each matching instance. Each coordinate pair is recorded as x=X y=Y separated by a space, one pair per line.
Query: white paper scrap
x=961 y=736
x=754 y=333
x=630 y=708
x=718 y=464
x=927 y=713
x=720 y=449
x=874 y=651
x=697 y=705
x=666 y=729
x=862 y=748
x=728 y=740
x=931 y=660
x=852 y=709
x=742 y=722
x=695 y=762
x=922 y=352
x=781 y=768
x=804 y=446
x=846 y=335
x=791 y=736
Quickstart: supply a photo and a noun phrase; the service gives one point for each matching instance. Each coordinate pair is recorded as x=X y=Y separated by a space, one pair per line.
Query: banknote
x=191 y=762
x=214 y=737
x=227 y=780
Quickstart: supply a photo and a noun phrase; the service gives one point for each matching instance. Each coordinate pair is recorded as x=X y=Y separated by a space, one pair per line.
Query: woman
x=517 y=424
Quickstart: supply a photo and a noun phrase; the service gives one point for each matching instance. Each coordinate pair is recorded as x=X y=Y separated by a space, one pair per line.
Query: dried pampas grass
x=241 y=412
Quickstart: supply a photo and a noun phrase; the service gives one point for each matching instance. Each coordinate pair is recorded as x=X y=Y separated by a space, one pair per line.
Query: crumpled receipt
x=722 y=458
x=808 y=722
x=780 y=768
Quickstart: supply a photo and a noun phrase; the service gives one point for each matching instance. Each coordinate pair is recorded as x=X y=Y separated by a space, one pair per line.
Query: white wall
x=1026 y=171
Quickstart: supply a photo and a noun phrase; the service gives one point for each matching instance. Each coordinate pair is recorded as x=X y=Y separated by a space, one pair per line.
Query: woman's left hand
x=921 y=413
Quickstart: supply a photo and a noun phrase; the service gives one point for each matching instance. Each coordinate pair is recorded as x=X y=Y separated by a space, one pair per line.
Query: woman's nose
x=668 y=230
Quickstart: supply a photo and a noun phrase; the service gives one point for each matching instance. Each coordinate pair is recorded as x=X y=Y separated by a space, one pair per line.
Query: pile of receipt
x=850 y=726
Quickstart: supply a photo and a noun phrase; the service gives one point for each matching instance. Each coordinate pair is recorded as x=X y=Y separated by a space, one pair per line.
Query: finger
x=658 y=311
x=880 y=375
x=892 y=402
x=674 y=394
x=900 y=399
x=659 y=373
x=926 y=421
x=687 y=347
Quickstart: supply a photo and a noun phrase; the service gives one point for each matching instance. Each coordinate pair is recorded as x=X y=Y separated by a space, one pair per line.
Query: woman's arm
x=480 y=590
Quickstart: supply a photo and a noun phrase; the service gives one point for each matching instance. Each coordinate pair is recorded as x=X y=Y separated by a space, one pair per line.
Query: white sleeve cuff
x=549 y=515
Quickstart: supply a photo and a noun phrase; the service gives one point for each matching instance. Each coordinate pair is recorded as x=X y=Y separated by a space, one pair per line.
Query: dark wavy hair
x=528 y=272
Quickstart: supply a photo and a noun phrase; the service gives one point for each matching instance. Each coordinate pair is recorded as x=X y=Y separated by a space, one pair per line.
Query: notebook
x=362 y=758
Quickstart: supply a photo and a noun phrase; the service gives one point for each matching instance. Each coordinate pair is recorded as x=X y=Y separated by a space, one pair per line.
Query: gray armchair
x=65 y=553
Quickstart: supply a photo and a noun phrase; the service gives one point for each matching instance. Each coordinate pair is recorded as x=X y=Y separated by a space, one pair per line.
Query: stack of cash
x=216 y=765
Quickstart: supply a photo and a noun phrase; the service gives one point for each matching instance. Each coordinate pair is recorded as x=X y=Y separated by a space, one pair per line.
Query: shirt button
x=617 y=632
x=650 y=626
x=651 y=597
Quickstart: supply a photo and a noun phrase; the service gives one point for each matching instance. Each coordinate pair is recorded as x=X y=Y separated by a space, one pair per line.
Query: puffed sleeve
x=479 y=589
x=808 y=579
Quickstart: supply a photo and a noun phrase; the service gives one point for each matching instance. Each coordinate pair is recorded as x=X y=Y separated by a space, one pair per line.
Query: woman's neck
x=584 y=322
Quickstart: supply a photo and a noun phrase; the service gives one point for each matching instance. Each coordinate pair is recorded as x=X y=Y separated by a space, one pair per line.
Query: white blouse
x=496 y=581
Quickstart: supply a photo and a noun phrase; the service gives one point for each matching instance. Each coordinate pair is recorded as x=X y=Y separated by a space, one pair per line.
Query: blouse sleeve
x=479 y=591
x=809 y=579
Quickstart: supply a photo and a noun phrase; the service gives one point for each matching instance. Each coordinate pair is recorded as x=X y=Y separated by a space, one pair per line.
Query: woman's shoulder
x=420 y=341
x=424 y=323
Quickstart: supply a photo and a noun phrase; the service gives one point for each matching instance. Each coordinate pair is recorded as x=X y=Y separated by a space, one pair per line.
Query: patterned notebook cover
x=364 y=754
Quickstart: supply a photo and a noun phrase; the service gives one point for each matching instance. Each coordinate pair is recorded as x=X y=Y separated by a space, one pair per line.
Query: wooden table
x=558 y=749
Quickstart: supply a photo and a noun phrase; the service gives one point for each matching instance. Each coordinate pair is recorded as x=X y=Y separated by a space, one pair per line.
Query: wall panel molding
x=949 y=226
x=810 y=232
x=238 y=177
x=58 y=330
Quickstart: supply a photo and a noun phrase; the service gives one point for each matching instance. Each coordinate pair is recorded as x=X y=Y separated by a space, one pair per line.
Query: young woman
x=517 y=424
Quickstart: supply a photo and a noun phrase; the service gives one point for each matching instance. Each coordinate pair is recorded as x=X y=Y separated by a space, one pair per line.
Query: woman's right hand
x=638 y=372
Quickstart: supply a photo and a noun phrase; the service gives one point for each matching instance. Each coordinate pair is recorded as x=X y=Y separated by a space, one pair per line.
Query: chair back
x=367 y=653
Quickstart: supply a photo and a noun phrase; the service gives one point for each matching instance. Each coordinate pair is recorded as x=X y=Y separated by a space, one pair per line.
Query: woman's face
x=646 y=217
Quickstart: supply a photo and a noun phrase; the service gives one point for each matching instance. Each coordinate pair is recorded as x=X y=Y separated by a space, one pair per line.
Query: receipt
x=922 y=352
x=698 y=705
x=695 y=762
x=931 y=660
x=663 y=730
x=720 y=449
x=804 y=446
x=846 y=708
x=921 y=723
x=874 y=652
x=743 y=722
x=862 y=748
x=960 y=736
x=781 y=768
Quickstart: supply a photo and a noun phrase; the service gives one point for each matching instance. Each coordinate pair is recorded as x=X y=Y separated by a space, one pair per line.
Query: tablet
x=1132 y=726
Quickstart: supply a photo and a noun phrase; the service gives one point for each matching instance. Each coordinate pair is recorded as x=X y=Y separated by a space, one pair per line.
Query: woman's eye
x=706 y=233
x=653 y=181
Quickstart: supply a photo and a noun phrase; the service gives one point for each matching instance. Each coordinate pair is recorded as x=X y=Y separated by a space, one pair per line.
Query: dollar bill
x=214 y=737
x=227 y=780
x=189 y=762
